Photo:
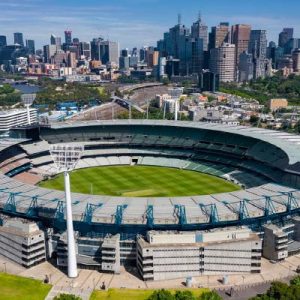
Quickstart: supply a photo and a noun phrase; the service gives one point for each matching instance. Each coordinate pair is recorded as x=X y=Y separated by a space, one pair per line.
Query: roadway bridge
x=127 y=103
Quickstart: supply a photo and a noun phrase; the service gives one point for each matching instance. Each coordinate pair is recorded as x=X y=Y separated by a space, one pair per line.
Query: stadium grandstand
x=264 y=163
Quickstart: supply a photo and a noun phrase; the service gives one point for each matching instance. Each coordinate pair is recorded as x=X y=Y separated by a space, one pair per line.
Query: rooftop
x=289 y=143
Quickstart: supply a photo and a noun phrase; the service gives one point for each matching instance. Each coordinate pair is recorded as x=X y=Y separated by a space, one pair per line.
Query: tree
x=253 y=120
x=184 y=295
x=161 y=295
x=297 y=127
x=211 y=295
x=295 y=281
x=66 y=297
x=281 y=291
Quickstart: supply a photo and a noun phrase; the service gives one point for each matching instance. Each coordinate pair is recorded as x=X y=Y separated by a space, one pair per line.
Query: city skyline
x=136 y=23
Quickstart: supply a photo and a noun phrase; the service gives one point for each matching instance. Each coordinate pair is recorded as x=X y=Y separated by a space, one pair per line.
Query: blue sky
x=138 y=22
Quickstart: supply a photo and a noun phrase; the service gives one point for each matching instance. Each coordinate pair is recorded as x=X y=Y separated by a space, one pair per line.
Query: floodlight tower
x=176 y=109
x=27 y=100
x=65 y=158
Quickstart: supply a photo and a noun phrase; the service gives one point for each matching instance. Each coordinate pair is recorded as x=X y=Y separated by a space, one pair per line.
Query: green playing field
x=141 y=181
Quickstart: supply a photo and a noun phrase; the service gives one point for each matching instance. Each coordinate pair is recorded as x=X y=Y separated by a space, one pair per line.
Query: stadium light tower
x=27 y=100
x=65 y=158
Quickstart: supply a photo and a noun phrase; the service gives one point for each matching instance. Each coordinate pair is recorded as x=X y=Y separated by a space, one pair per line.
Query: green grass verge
x=141 y=181
x=117 y=294
x=15 y=287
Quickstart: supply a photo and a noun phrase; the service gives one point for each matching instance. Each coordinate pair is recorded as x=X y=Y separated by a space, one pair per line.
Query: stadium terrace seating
x=35 y=148
x=41 y=160
x=29 y=178
x=252 y=157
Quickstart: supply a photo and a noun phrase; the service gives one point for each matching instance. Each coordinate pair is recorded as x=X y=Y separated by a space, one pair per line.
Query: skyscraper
x=105 y=51
x=31 y=46
x=3 y=41
x=240 y=35
x=246 y=67
x=68 y=37
x=49 y=51
x=258 y=49
x=296 y=60
x=219 y=34
x=200 y=31
x=284 y=37
x=85 y=49
x=18 y=38
x=55 y=40
x=222 y=62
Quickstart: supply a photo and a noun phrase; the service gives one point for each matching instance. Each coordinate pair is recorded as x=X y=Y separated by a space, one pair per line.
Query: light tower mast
x=65 y=158
x=27 y=100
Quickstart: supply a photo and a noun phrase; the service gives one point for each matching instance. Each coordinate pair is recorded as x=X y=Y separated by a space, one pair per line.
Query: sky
x=138 y=22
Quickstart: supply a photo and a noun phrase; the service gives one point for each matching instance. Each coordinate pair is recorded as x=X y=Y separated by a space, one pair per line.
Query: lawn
x=141 y=181
x=15 y=287
x=126 y=294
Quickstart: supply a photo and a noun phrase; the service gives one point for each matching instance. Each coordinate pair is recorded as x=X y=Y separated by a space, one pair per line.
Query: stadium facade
x=111 y=231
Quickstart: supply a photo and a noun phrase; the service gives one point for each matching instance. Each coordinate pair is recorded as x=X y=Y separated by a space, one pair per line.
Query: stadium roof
x=289 y=143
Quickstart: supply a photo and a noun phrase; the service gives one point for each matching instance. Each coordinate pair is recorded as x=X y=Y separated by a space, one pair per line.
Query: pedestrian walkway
x=89 y=280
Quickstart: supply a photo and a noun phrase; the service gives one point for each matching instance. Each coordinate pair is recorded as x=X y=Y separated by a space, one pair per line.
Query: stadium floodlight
x=176 y=109
x=65 y=158
x=27 y=100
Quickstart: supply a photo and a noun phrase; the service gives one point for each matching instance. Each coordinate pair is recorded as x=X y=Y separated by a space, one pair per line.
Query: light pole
x=147 y=109
x=27 y=100
x=65 y=158
x=176 y=109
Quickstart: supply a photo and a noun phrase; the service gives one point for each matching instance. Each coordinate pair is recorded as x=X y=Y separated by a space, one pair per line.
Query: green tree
x=211 y=295
x=253 y=120
x=67 y=297
x=297 y=127
x=6 y=89
x=161 y=295
x=184 y=295
x=295 y=281
x=280 y=291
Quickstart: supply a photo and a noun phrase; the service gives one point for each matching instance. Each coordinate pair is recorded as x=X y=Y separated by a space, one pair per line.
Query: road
x=108 y=111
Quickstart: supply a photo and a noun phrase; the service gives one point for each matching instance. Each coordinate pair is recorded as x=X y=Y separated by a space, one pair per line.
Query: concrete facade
x=222 y=62
x=275 y=245
x=22 y=242
x=169 y=255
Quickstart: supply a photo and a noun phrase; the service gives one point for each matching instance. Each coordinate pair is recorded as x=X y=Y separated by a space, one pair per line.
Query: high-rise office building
x=68 y=37
x=219 y=34
x=49 y=51
x=71 y=59
x=152 y=58
x=85 y=49
x=240 y=36
x=3 y=41
x=291 y=45
x=200 y=31
x=176 y=44
x=258 y=49
x=284 y=37
x=296 y=61
x=222 y=62
x=75 y=41
x=18 y=38
x=124 y=62
x=30 y=45
x=246 y=67
x=55 y=40
x=105 y=51
x=208 y=81
x=125 y=52
x=143 y=52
